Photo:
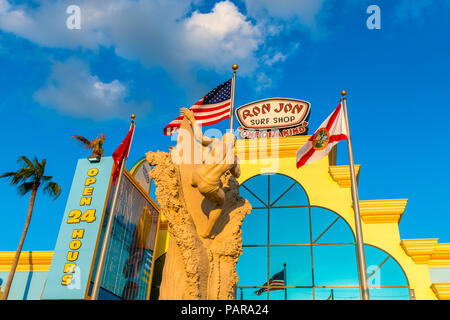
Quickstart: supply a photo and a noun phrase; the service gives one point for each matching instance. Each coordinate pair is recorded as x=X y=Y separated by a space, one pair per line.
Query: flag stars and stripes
x=211 y=109
x=277 y=282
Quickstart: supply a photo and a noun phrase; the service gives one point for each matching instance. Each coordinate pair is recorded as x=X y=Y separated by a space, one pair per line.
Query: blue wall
x=25 y=286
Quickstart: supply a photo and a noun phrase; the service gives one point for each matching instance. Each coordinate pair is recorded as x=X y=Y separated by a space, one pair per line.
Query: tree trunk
x=22 y=240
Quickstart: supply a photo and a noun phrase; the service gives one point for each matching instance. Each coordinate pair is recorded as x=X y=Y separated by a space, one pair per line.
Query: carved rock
x=197 y=268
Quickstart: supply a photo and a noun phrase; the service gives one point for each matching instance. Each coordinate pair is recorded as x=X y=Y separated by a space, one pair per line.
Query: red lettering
x=297 y=107
x=281 y=107
x=288 y=108
x=246 y=113
x=265 y=108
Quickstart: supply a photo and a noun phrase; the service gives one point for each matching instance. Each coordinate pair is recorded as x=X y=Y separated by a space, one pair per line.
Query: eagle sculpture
x=95 y=145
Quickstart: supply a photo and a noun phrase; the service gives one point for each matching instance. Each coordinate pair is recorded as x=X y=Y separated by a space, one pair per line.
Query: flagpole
x=285 y=282
x=102 y=257
x=233 y=89
x=361 y=259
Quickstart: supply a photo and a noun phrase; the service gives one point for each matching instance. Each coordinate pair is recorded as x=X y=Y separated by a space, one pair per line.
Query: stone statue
x=219 y=160
x=204 y=212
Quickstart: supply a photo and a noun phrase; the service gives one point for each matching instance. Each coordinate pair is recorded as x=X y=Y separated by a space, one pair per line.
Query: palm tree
x=29 y=178
x=95 y=144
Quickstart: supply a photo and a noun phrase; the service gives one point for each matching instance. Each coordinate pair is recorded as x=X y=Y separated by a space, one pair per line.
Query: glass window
x=289 y=226
x=329 y=227
x=335 y=265
x=285 y=191
x=259 y=189
x=311 y=250
x=386 y=293
x=254 y=228
x=298 y=264
x=252 y=267
x=337 y=294
x=382 y=269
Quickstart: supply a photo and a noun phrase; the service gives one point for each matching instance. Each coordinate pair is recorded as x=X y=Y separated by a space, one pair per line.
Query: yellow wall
x=37 y=261
x=381 y=217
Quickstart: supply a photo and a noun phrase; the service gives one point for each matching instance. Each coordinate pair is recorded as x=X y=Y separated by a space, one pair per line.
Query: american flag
x=212 y=108
x=275 y=283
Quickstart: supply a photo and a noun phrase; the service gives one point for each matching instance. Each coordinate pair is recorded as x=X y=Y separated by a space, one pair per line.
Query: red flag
x=120 y=153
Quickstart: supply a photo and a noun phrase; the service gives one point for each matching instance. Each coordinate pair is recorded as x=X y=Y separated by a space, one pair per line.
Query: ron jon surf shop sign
x=276 y=117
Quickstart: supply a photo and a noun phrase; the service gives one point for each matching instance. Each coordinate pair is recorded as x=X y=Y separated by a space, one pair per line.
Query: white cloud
x=156 y=33
x=72 y=90
x=46 y=24
x=168 y=33
x=4 y=6
x=221 y=37
x=302 y=13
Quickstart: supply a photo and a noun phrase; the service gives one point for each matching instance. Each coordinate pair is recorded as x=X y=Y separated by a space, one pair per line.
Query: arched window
x=303 y=252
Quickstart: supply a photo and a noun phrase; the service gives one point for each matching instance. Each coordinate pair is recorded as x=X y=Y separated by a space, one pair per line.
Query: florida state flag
x=330 y=132
x=120 y=153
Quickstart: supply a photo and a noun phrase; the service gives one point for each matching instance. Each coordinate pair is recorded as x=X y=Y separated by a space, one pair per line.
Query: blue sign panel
x=79 y=233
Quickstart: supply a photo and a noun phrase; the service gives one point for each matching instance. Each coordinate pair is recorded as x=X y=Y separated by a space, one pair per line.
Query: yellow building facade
x=328 y=185
x=423 y=264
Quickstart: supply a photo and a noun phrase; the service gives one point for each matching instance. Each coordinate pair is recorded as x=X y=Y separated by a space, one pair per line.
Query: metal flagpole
x=285 y=282
x=102 y=257
x=362 y=270
x=233 y=89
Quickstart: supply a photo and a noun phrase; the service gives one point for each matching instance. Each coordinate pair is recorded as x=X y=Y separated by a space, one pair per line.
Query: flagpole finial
x=343 y=93
x=235 y=67
x=133 y=116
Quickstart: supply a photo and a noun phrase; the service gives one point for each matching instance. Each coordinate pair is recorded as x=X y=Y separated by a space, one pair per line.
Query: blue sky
x=152 y=57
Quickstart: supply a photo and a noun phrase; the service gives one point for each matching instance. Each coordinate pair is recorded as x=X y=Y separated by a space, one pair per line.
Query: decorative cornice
x=382 y=211
x=28 y=260
x=420 y=250
x=341 y=174
x=441 y=290
x=440 y=257
x=262 y=148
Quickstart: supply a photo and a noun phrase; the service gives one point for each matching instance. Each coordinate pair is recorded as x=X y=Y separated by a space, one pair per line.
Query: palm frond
x=25 y=174
x=26 y=161
x=25 y=187
x=40 y=168
x=43 y=163
x=44 y=179
x=30 y=176
x=8 y=174
x=53 y=189
x=15 y=177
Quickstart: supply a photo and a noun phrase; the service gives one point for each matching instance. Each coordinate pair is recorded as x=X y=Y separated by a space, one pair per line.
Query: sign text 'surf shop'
x=276 y=117
x=79 y=233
